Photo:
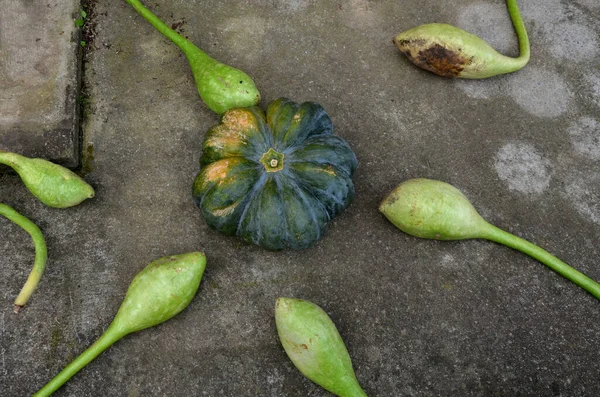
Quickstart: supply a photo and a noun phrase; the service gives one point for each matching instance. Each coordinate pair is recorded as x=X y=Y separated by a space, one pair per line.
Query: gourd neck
x=188 y=48
x=500 y=236
x=517 y=20
x=110 y=336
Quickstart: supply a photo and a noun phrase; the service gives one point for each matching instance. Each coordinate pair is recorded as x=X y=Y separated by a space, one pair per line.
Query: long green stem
x=510 y=240
x=40 y=253
x=109 y=337
x=517 y=20
x=189 y=49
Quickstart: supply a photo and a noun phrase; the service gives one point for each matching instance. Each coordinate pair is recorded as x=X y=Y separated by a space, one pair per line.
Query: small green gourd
x=452 y=52
x=437 y=210
x=220 y=86
x=160 y=291
x=39 y=265
x=52 y=184
x=314 y=345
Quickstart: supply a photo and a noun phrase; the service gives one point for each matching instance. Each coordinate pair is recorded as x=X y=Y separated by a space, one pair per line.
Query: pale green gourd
x=52 y=184
x=452 y=52
x=220 y=86
x=437 y=210
x=315 y=346
x=39 y=265
x=160 y=291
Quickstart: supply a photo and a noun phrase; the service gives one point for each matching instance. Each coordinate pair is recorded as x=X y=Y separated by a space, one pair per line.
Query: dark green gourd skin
x=244 y=189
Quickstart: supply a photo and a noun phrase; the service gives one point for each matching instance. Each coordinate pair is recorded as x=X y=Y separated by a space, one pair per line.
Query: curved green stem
x=510 y=240
x=40 y=253
x=110 y=336
x=517 y=20
x=188 y=48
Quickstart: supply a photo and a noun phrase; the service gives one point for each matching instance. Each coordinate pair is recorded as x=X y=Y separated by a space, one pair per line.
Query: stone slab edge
x=57 y=140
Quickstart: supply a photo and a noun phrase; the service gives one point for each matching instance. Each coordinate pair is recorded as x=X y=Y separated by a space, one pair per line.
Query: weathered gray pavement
x=420 y=318
x=39 y=79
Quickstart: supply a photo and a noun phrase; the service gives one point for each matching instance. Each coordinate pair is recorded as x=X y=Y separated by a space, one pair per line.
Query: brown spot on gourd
x=293 y=345
x=405 y=44
x=304 y=346
x=442 y=61
x=435 y=57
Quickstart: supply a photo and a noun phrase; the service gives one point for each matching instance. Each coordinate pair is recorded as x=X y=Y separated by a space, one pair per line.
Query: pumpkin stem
x=272 y=160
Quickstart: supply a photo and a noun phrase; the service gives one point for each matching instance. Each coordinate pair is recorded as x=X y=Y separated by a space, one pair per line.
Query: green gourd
x=452 y=52
x=275 y=180
x=52 y=184
x=437 y=210
x=41 y=256
x=315 y=346
x=160 y=291
x=220 y=86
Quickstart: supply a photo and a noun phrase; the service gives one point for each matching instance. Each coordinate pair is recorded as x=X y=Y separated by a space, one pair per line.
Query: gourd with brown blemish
x=274 y=179
x=449 y=51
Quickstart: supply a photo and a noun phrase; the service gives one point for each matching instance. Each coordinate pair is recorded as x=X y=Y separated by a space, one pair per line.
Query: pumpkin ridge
x=307 y=187
x=302 y=195
x=275 y=118
x=260 y=184
x=249 y=166
x=278 y=182
x=337 y=167
x=216 y=185
x=296 y=180
x=304 y=140
x=308 y=120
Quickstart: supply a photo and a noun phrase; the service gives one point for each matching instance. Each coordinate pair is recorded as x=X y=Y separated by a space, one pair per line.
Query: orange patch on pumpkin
x=240 y=119
x=225 y=137
x=218 y=170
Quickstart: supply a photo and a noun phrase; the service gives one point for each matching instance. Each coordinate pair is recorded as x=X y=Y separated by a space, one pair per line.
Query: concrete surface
x=419 y=317
x=39 y=79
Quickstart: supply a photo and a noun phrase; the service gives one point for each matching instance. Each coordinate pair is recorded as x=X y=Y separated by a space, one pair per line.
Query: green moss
x=56 y=337
x=87 y=159
x=56 y=341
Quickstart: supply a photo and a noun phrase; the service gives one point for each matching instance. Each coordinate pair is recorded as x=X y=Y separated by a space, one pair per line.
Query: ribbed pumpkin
x=276 y=179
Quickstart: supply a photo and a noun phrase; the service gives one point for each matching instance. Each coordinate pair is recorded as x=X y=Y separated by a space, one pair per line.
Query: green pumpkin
x=275 y=180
